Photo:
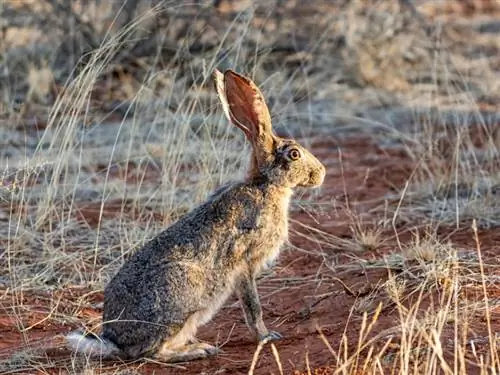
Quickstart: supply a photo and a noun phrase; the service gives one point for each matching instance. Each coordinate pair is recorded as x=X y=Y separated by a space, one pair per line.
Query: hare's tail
x=92 y=345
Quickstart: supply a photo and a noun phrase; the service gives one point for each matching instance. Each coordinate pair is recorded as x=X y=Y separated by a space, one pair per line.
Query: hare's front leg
x=249 y=299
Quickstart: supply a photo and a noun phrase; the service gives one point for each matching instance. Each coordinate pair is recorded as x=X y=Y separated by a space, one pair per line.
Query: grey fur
x=178 y=280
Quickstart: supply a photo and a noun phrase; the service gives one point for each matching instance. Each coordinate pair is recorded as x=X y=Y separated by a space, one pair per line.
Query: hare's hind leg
x=183 y=346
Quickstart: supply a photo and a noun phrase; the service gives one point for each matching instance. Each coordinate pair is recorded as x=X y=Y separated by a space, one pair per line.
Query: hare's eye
x=294 y=154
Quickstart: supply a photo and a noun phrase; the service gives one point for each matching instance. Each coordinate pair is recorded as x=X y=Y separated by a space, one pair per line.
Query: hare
x=178 y=280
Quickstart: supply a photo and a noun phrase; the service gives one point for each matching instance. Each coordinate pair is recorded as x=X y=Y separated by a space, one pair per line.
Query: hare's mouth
x=315 y=179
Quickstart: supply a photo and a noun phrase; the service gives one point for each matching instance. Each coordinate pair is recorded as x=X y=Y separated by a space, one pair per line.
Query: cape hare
x=178 y=280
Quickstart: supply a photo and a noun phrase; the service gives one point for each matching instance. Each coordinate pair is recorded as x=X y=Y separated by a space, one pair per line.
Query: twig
x=360 y=293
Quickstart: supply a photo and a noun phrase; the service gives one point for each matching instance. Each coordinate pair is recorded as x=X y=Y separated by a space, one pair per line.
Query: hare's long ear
x=245 y=107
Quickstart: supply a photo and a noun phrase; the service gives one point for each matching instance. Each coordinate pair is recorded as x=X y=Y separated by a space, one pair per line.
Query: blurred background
x=343 y=55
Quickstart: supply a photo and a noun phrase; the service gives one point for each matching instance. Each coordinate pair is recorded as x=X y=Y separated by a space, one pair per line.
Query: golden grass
x=413 y=345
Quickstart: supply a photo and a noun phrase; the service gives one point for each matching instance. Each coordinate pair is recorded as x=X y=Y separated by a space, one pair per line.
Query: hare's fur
x=181 y=278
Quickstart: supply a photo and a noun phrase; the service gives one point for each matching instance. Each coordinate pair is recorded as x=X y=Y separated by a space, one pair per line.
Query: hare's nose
x=316 y=177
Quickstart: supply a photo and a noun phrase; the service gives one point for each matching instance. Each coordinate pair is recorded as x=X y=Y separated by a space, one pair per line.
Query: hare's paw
x=190 y=352
x=270 y=336
x=207 y=348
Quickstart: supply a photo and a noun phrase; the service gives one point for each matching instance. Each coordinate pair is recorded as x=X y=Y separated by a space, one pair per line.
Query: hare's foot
x=270 y=336
x=186 y=353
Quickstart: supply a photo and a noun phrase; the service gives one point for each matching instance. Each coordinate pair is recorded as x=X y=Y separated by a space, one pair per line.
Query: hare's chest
x=282 y=220
x=284 y=208
x=275 y=234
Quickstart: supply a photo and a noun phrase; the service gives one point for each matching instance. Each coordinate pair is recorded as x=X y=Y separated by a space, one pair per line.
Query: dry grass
x=103 y=143
x=429 y=299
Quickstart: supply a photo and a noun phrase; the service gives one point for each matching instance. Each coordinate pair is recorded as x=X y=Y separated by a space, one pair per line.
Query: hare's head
x=281 y=161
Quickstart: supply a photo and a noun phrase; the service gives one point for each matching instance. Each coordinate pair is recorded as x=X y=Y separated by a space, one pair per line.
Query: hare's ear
x=245 y=107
